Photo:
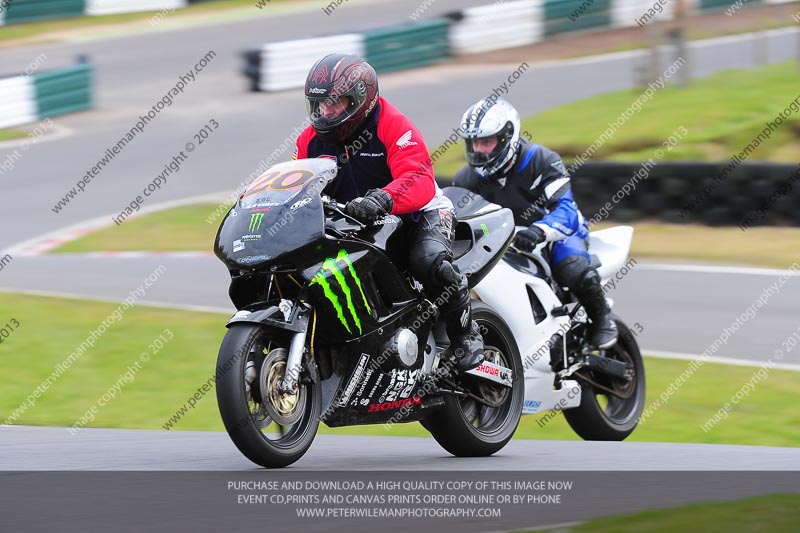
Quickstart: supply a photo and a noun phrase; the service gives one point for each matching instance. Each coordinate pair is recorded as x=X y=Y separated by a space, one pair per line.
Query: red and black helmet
x=341 y=91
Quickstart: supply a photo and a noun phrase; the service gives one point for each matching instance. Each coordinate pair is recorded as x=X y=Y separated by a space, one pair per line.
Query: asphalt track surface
x=682 y=311
x=31 y=448
x=158 y=481
x=679 y=311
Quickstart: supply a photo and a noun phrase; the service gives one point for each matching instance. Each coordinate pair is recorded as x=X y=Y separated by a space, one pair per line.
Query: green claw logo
x=330 y=267
x=255 y=222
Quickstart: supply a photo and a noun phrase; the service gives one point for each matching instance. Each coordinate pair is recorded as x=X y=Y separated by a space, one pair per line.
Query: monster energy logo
x=255 y=222
x=330 y=267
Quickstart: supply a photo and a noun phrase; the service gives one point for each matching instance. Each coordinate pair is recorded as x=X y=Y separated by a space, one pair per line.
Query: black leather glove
x=373 y=205
x=527 y=239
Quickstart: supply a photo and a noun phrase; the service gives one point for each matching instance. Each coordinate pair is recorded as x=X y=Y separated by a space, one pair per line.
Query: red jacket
x=389 y=154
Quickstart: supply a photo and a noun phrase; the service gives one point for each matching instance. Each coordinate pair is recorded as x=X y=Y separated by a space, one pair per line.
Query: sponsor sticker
x=391 y=406
x=351 y=385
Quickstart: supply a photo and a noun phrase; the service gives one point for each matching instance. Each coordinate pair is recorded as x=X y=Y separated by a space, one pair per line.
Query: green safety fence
x=584 y=14
x=715 y=4
x=407 y=46
x=30 y=10
x=63 y=91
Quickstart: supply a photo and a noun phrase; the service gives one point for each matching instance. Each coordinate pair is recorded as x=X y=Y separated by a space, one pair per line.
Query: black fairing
x=483 y=233
x=356 y=288
x=279 y=215
x=281 y=242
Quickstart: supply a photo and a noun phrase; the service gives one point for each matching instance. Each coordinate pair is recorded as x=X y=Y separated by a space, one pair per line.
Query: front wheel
x=468 y=428
x=610 y=408
x=271 y=429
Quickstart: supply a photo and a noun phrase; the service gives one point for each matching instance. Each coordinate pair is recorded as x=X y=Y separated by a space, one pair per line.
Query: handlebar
x=338 y=208
x=327 y=201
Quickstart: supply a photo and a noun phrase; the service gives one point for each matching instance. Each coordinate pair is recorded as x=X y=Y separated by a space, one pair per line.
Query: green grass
x=10 y=135
x=760 y=246
x=51 y=328
x=722 y=113
x=52 y=30
x=178 y=229
x=185 y=229
x=772 y=513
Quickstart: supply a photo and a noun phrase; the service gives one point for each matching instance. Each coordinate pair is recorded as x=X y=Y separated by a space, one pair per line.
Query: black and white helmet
x=487 y=118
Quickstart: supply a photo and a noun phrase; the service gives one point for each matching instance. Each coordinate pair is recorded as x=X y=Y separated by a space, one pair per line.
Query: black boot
x=467 y=346
x=575 y=273
x=464 y=333
x=590 y=293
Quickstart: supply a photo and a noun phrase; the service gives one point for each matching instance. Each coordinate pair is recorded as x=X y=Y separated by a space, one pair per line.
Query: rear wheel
x=468 y=428
x=271 y=429
x=610 y=407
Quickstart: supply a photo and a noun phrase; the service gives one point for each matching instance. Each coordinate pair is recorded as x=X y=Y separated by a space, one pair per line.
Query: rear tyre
x=467 y=428
x=601 y=415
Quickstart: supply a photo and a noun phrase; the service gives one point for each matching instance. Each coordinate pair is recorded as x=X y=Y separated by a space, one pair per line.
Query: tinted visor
x=479 y=159
x=328 y=112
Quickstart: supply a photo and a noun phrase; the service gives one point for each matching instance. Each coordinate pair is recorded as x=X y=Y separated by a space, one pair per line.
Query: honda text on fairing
x=602 y=392
x=332 y=327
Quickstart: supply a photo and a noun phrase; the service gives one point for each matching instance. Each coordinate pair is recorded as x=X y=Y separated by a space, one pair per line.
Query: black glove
x=527 y=239
x=373 y=205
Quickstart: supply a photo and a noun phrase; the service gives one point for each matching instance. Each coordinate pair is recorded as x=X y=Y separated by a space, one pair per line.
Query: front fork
x=295 y=358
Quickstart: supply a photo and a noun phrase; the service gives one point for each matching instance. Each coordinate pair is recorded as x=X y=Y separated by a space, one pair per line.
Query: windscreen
x=278 y=213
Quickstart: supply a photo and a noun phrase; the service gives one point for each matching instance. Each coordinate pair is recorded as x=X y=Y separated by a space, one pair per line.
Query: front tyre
x=468 y=428
x=271 y=429
x=611 y=415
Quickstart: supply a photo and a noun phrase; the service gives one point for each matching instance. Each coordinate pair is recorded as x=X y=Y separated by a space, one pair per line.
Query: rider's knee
x=571 y=271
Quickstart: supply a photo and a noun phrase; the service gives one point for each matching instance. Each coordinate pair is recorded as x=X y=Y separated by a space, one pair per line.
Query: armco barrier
x=557 y=13
x=502 y=24
x=109 y=7
x=627 y=12
x=285 y=64
x=25 y=99
x=31 y=10
x=407 y=46
x=63 y=91
x=17 y=101
x=18 y=11
x=715 y=4
x=497 y=26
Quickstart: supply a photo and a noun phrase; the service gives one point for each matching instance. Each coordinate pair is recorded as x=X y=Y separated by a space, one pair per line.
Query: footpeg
x=610 y=367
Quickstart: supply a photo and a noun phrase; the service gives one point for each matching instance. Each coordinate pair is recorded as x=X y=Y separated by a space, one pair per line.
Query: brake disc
x=285 y=409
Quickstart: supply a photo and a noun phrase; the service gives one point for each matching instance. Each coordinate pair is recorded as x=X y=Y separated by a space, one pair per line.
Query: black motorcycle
x=331 y=326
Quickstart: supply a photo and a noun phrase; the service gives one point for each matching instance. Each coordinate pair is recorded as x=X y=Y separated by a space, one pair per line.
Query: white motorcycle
x=601 y=393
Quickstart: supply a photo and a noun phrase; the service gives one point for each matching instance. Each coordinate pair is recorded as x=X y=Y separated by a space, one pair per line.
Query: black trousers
x=430 y=261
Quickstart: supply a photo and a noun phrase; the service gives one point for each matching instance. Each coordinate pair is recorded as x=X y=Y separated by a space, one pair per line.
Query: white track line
x=137 y=254
x=58 y=132
x=733 y=361
x=48 y=241
x=721 y=269
x=144 y=303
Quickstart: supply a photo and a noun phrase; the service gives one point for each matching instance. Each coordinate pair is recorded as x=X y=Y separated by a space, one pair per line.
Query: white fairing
x=611 y=245
x=506 y=290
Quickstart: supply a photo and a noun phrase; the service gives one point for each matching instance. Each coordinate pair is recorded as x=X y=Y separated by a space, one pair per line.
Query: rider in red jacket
x=384 y=169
